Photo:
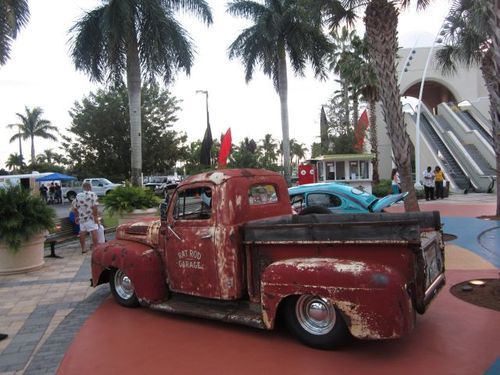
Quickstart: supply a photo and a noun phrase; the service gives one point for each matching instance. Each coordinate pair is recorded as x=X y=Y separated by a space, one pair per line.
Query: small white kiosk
x=353 y=169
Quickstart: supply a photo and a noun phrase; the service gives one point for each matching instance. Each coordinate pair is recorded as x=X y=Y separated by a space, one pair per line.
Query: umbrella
x=56 y=177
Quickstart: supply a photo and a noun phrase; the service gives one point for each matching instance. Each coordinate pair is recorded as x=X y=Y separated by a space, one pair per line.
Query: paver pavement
x=44 y=311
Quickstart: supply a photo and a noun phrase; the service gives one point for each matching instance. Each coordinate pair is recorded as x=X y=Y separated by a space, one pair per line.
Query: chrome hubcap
x=315 y=314
x=123 y=285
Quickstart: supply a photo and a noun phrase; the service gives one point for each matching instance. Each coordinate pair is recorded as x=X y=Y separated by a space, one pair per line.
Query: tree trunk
x=134 y=102
x=347 y=109
x=355 y=110
x=494 y=90
x=373 y=140
x=381 y=20
x=283 y=94
x=33 y=159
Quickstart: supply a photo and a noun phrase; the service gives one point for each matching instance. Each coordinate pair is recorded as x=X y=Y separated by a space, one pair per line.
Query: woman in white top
x=429 y=184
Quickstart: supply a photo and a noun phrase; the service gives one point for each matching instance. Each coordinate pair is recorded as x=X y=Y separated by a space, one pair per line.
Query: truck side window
x=194 y=204
x=262 y=194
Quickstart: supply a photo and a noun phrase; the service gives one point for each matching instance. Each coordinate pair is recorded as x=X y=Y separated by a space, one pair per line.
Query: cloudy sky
x=40 y=74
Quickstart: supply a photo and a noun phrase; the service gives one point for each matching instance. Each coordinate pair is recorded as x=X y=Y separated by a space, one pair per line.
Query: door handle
x=205 y=236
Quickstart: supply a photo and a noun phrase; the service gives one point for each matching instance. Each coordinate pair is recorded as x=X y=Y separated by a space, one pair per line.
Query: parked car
x=101 y=186
x=336 y=197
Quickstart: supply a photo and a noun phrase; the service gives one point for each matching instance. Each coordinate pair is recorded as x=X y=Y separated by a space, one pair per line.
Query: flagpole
x=205 y=157
x=205 y=92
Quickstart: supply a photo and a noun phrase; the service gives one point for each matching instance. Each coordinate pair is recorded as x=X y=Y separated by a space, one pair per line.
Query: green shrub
x=382 y=188
x=22 y=215
x=125 y=199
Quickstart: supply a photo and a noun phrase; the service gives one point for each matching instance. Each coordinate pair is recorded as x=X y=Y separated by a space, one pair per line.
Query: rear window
x=262 y=194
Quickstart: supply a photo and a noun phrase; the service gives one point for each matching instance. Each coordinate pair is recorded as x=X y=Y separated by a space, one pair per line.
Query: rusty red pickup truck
x=228 y=247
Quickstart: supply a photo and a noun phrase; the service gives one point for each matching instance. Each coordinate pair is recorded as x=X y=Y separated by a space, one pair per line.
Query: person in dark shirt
x=43 y=192
x=52 y=192
x=58 y=193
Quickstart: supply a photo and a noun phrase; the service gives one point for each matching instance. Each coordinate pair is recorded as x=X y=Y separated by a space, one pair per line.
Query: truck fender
x=139 y=262
x=371 y=297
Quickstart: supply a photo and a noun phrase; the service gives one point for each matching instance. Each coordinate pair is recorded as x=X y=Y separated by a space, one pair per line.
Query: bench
x=63 y=232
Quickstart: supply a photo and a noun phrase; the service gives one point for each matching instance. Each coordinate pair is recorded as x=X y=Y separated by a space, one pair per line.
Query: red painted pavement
x=453 y=209
x=453 y=337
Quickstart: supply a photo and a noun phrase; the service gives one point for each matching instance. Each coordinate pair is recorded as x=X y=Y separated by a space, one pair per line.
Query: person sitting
x=72 y=219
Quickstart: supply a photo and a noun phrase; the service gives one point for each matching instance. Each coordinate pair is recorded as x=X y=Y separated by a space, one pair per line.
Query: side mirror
x=100 y=185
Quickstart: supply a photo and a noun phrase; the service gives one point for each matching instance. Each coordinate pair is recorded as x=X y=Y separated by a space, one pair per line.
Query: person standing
x=52 y=192
x=429 y=184
x=43 y=192
x=439 y=181
x=396 y=182
x=86 y=214
x=58 y=193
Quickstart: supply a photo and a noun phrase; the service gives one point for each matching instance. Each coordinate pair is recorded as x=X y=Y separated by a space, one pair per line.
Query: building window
x=359 y=169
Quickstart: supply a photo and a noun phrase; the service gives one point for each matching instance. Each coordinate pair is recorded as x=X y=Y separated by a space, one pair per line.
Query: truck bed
x=361 y=227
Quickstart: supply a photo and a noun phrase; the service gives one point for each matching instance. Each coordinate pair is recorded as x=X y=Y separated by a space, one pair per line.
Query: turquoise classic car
x=335 y=197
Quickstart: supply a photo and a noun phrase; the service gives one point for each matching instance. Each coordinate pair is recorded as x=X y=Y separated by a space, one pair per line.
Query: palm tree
x=359 y=67
x=268 y=151
x=280 y=27
x=14 y=14
x=138 y=39
x=33 y=125
x=46 y=157
x=339 y=60
x=297 y=150
x=15 y=161
x=381 y=20
x=469 y=39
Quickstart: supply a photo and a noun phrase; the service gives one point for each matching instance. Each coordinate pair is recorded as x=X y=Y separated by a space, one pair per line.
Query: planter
x=28 y=258
x=136 y=214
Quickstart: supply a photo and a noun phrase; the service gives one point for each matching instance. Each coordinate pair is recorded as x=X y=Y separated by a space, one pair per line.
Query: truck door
x=191 y=259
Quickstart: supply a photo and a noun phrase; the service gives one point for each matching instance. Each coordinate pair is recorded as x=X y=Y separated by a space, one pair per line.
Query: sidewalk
x=44 y=311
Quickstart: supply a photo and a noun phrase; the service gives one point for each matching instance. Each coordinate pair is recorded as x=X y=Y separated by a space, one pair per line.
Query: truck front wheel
x=123 y=289
x=71 y=195
x=315 y=321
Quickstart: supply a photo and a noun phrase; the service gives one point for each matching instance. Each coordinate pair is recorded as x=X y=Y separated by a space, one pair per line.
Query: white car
x=101 y=186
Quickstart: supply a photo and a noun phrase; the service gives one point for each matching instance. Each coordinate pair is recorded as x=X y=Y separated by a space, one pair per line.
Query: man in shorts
x=86 y=214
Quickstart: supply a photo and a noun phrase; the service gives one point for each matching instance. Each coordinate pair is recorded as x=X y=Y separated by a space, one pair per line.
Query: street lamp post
x=437 y=39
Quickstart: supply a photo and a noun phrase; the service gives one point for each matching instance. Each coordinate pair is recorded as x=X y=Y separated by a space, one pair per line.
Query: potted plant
x=25 y=220
x=129 y=202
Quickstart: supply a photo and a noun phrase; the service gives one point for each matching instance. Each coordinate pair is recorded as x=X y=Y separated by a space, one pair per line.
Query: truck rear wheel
x=71 y=195
x=315 y=321
x=123 y=289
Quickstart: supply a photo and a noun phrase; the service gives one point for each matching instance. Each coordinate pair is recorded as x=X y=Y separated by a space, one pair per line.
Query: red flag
x=225 y=149
x=360 y=131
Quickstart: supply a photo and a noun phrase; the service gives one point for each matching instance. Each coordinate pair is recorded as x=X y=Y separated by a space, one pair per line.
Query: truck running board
x=227 y=311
